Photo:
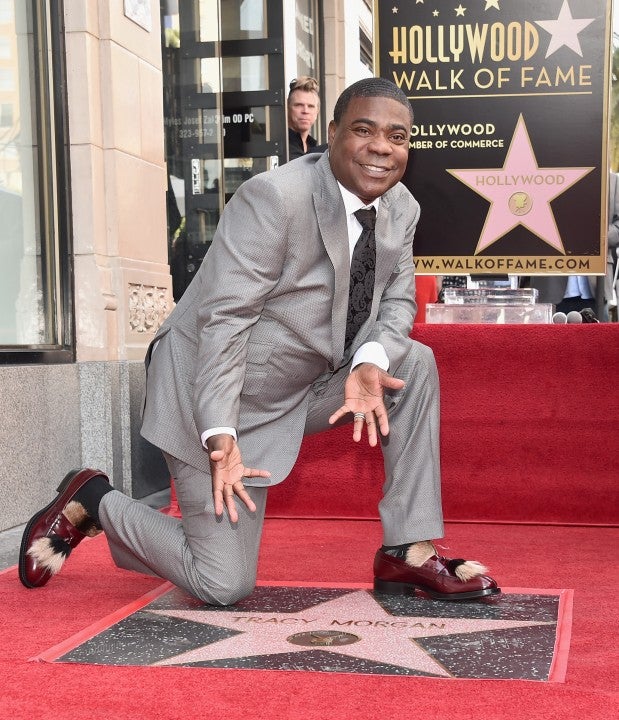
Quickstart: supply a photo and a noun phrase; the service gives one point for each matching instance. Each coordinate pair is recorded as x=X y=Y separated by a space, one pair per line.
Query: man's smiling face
x=368 y=148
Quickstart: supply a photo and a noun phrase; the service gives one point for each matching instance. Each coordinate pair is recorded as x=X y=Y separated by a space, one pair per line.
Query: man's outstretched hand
x=227 y=473
x=363 y=396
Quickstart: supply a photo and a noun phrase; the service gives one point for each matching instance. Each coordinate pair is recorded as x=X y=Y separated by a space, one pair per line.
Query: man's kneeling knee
x=224 y=594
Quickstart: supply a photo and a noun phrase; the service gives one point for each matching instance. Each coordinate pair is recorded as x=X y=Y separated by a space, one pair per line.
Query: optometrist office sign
x=508 y=154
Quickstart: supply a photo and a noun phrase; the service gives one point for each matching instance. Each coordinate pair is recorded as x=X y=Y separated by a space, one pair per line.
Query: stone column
x=122 y=281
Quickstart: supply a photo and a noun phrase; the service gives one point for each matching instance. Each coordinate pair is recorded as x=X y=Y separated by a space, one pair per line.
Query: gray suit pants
x=216 y=560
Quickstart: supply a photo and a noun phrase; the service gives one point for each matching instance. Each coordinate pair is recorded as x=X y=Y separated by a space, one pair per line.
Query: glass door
x=224 y=105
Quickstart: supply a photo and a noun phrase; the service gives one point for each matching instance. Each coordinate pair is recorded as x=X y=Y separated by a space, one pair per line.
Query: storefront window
x=241 y=74
x=31 y=279
x=243 y=19
x=306 y=36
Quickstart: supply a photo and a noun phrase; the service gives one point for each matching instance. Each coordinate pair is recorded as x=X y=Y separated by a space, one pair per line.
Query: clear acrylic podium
x=492 y=305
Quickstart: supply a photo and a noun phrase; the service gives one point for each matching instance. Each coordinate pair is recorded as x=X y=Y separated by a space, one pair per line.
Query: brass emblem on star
x=520 y=203
x=323 y=638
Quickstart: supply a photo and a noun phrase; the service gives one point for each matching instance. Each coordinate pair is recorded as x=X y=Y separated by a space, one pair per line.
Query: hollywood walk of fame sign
x=508 y=153
x=521 y=634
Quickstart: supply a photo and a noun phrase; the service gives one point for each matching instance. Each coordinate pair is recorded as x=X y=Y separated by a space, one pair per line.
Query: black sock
x=90 y=496
x=398 y=551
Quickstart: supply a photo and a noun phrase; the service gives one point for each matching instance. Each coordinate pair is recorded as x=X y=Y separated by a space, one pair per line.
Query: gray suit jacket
x=265 y=316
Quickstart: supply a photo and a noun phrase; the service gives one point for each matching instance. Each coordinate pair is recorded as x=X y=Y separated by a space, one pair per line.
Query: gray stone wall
x=59 y=417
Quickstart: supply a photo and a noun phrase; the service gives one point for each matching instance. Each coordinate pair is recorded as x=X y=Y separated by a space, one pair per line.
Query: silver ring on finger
x=359 y=416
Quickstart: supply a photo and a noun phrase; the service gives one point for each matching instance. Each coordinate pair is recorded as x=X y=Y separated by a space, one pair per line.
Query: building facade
x=124 y=127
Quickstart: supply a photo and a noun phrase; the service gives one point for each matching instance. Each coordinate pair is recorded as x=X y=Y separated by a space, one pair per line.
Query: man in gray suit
x=255 y=355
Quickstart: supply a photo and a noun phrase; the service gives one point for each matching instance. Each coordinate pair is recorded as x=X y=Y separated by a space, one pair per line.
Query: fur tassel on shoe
x=78 y=517
x=50 y=553
x=466 y=570
x=418 y=553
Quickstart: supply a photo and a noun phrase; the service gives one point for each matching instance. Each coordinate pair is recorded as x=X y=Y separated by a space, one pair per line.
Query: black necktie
x=362 y=268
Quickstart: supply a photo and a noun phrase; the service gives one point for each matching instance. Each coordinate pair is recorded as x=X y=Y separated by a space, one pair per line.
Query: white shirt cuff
x=217 y=431
x=371 y=352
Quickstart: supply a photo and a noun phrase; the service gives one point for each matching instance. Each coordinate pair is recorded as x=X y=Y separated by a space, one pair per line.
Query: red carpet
x=530 y=428
x=530 y=423
x=338 y=551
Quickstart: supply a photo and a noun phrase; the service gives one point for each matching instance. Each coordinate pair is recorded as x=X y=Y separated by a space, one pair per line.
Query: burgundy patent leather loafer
x=53 y=532
x=437 y=577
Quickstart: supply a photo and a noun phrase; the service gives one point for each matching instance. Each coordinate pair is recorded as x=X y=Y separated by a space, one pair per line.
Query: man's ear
x=331 y=131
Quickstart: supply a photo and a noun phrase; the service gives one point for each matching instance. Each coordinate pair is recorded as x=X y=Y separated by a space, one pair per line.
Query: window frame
x=48 y=87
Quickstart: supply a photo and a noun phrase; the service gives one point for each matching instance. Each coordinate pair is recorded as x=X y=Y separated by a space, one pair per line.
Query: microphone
x=574 y=317
x=588 y=316
x=559 y=318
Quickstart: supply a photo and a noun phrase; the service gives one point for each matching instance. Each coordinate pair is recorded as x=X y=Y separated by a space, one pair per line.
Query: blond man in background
x=303 y=108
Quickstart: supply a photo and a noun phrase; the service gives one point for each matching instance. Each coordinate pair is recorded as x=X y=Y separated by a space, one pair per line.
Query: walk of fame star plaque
x=522 y=634
x=509 y=151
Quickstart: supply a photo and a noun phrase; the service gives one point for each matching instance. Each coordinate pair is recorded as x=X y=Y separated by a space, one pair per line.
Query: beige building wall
x=87 y=414
x=342 y=64
x=123 y=287
x=334 y=34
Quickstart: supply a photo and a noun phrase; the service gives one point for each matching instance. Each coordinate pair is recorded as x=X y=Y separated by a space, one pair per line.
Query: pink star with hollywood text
x=520 y=192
